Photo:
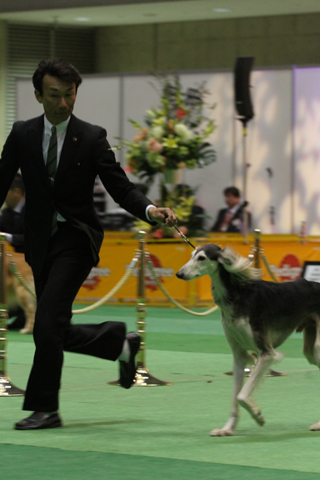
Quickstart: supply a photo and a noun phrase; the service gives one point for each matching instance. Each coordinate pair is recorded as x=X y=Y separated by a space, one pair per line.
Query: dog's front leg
x=229 y=428
x=244 y=397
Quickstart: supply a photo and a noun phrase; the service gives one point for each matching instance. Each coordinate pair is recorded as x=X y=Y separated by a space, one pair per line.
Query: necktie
x=51 y=169
x=52 y=155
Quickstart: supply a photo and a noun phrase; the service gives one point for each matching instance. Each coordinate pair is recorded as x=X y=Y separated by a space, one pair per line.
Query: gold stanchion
x=143 y=376
x=7 y=389
x=256 y=250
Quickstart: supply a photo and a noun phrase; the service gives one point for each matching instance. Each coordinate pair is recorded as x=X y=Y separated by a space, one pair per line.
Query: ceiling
x=149 y=11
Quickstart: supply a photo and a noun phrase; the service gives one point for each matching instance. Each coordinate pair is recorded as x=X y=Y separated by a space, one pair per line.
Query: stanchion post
x=141 y=306
x=143 y=376
x=7 y=389
x=257 y=248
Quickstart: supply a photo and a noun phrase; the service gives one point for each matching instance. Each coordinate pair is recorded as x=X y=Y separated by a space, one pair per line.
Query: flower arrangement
x=175 y=135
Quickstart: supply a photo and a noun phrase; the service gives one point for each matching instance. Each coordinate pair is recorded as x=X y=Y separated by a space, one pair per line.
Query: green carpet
x=50 y=464
x=163 y=432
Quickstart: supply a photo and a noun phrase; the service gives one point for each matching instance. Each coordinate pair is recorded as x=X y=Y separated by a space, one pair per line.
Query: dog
x=17 y=294
x=257 y=317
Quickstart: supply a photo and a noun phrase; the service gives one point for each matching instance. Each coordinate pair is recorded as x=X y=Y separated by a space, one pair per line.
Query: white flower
x=157 y=132
x=183 y=132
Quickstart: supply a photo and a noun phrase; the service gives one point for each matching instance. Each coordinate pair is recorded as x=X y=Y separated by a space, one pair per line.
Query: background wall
x=196 y=50
x=273 y=41
x=112 y=100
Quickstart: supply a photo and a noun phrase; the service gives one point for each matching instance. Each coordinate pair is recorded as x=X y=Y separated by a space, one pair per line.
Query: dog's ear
x=211 y=251
x=224 y=258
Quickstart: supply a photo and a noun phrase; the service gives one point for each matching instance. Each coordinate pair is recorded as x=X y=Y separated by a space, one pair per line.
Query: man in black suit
x=60 y=157
x=230 y=219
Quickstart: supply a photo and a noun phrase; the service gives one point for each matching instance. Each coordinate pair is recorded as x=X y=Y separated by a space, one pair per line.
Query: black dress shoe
x=39 y=420
x=128 y=369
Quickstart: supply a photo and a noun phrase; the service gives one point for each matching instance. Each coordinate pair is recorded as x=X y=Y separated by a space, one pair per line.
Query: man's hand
x=163 y=215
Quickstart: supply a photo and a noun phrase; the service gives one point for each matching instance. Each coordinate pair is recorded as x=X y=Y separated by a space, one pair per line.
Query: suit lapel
x=35 y=134
x=71 y=144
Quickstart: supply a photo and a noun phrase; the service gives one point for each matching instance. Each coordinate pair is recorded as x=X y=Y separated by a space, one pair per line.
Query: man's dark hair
x=17 y=183
x=232 y=191
x=55 y=68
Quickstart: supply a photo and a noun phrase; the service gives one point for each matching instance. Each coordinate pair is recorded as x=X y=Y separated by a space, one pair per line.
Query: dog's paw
x=254 y=411
x=25 y=331
x=315 y=427
x=259 y=418
x=220 y=432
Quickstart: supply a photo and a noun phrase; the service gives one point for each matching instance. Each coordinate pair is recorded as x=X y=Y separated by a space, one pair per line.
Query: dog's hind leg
x=240 y=362
x=244 y=398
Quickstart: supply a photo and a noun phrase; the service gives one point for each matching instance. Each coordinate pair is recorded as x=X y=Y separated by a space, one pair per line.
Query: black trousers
x=68 y=264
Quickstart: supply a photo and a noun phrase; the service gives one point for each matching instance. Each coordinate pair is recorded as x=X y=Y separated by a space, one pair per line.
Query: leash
x=181 y=234
x=184 y=237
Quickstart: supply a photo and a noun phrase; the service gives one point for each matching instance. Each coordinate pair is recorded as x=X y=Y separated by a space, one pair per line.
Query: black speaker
x=242 y=88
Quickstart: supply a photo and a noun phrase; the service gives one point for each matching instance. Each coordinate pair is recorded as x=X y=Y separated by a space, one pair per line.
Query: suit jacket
x=235 y=224
x=12 y=222
x=85 y=154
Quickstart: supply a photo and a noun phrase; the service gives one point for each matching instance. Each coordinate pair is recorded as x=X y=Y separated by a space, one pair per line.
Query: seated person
x=11 y=225
x=230 y=219
x=12 y=215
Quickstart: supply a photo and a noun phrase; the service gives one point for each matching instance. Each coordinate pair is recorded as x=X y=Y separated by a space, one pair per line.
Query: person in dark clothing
x=12 y=216
x=230 y=219
x=59 y=157
x=11 y=225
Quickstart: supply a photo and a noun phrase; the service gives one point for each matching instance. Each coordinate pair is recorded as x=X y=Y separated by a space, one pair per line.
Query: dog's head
x=204 y=261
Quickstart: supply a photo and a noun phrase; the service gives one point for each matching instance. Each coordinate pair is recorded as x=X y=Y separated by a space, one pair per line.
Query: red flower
x=130 y=168
x=158 y=234
x=181 y=112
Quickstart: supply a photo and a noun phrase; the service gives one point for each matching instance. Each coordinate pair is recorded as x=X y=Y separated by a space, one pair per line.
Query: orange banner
x=285 y=255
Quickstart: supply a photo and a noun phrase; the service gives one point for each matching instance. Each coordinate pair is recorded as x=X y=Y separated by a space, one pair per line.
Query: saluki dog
x=257 y=316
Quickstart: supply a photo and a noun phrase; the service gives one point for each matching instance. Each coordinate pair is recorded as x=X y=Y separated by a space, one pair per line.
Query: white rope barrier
x=167 y=294
x=109 y=295
x=121 y=282
x=266 y=264
x=95 y=305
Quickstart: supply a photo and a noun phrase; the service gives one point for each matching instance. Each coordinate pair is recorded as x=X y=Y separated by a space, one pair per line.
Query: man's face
x=58 y=98
x=231 y=200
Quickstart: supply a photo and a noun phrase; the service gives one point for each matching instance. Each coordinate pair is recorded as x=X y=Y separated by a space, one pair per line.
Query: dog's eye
x=201 y=258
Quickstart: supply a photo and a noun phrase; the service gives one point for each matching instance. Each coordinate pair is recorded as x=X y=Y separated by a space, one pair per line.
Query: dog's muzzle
x=180 y=275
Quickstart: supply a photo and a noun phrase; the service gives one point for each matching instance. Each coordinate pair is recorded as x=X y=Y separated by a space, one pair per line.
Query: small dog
x=257 y=316
x=17 y=294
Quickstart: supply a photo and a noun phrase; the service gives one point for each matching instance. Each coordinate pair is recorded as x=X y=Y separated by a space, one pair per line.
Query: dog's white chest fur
x=238 y=332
